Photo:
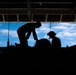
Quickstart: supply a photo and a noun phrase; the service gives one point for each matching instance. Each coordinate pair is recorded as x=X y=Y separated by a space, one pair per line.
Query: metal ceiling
x=38 y=10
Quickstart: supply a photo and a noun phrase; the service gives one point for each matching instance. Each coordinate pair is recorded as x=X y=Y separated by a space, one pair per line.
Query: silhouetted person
x=56 y=43
x=25 y=31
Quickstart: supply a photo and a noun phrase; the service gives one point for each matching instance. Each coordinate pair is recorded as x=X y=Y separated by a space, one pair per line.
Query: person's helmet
x=51 y=33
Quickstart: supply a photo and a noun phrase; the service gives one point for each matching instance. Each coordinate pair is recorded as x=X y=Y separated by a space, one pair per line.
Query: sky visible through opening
x=66 y=31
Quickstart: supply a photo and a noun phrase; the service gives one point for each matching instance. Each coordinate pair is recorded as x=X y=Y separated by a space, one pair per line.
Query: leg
x=22 y=40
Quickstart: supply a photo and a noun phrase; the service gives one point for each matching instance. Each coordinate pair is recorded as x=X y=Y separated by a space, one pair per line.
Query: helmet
x=51 y=33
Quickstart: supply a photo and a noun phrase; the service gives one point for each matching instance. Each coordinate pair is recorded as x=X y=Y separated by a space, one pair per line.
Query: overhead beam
x=61 y=17
x=36 y=10
x=45 y=18
x=47 y=2
x=73 y=10
x=17 y=17
x=75 y=19
x=3 y=17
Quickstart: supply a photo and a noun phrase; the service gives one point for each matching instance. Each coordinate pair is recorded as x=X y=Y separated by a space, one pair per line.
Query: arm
x=28 y=34
x=35 y=35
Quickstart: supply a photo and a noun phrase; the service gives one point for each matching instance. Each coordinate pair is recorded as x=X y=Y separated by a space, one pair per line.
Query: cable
x=50 y=26
x=8 y=42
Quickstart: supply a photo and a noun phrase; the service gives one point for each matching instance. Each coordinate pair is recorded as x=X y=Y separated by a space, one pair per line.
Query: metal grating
x=38 y=10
